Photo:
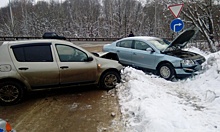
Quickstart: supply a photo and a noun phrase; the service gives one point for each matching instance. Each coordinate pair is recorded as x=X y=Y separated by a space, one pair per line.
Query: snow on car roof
x=33 y=41
x=140 y=38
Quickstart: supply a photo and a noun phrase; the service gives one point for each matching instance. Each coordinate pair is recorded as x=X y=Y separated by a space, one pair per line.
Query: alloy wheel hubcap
x=110 y=80
x=9 y=93
x=165 y=71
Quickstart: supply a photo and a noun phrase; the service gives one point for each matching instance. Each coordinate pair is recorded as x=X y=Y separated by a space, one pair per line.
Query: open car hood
x=181 y=40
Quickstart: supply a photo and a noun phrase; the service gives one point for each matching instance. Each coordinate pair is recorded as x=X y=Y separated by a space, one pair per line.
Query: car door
x=35 y=63
x=73 y=67
x=141 y=57
x=123 y=49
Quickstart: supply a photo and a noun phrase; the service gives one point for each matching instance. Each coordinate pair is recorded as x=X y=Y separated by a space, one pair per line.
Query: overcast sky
x=3 y=3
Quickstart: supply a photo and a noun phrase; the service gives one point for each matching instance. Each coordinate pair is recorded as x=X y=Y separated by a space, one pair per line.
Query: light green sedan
x=157 y=55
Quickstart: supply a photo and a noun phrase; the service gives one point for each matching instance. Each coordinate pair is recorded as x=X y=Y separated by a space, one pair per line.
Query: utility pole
x=12 y=20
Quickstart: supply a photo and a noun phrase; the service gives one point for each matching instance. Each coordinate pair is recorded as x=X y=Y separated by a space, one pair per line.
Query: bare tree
x=200 y=14
x=109 y=18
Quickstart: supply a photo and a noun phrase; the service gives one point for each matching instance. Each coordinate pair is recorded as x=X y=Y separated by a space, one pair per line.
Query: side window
x=141 y=45
x=124 y=44
x=53 y=34
x=33 y=53
x=70 y=54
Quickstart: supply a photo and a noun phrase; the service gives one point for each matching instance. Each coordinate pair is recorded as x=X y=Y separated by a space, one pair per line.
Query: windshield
x=160 y=44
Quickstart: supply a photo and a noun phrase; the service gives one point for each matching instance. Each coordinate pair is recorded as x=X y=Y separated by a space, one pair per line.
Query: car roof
x=17 y=42
x=139 y=38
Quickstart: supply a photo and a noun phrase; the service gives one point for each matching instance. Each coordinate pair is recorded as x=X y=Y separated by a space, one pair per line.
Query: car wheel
x=10 y=93
x=109 y=80
x=166 y=71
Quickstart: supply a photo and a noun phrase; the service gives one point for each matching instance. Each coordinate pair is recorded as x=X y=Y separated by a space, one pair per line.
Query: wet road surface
x=77 y=109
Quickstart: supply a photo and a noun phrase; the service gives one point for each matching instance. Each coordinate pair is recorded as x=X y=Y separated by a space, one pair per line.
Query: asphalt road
x=78 y=109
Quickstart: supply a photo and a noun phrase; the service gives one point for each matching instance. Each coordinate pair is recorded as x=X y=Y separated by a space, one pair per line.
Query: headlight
x=187 y=62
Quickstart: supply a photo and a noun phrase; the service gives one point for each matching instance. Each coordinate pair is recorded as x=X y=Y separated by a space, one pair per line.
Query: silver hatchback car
x=157 y=55
x=33 y=65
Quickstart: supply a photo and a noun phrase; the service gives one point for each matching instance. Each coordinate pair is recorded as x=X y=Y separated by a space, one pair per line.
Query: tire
x=166 y=71
x=109 y=80
x=10 y=93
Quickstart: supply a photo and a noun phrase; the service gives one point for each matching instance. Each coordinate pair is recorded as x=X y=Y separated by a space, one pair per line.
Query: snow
x=149 y=103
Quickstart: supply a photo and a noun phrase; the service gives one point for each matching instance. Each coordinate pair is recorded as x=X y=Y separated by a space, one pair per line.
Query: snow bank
x=151 y=104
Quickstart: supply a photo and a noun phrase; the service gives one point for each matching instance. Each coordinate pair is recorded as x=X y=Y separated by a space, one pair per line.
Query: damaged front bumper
x=188 y=71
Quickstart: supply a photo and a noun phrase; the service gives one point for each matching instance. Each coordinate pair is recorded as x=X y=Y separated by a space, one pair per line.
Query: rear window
x=33 y=53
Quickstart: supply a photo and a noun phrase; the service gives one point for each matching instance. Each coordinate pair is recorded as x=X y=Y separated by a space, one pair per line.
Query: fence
x=197 y=43
x=69 y=39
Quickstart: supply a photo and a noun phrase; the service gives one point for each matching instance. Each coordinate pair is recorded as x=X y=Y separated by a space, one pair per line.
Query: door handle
x=64 y=67
x=118 y=51
x=23 y=68
x=134 y=54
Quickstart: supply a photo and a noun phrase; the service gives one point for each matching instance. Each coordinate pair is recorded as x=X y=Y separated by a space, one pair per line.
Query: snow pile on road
x=151 y=104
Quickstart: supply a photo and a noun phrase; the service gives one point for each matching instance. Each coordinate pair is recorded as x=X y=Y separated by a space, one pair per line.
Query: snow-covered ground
x=151 y=104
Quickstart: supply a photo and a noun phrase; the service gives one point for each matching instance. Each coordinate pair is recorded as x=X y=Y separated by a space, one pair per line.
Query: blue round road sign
x=177 y=25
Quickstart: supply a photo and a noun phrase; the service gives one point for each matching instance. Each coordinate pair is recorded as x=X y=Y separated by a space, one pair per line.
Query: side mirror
x=150 y=50
x=89 y=59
